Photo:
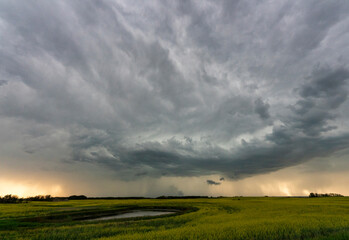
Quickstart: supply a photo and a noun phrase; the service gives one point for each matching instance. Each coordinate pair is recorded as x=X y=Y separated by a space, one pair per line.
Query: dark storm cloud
x=211 y=182
x=167 y=88
x=325 y=92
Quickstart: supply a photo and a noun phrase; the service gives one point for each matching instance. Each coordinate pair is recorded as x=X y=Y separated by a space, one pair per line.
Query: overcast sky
x=173 y=97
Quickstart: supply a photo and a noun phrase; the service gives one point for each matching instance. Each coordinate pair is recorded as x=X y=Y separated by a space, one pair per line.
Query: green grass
x=223 y=218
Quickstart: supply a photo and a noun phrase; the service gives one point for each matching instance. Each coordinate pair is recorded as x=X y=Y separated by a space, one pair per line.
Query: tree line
x=325 y=195
x=9 y=198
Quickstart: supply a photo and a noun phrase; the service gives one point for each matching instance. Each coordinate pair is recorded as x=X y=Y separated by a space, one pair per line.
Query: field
x=211 y=218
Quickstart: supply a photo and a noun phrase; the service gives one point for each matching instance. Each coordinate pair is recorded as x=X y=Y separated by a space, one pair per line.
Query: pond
x=136 y=213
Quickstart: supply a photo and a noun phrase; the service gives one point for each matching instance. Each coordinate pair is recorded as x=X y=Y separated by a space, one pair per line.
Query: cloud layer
x=164 y=88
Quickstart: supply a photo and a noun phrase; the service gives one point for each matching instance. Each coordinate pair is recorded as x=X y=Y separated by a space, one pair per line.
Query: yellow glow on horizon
x=285 y=189
x=292 y=181
x=26 y=190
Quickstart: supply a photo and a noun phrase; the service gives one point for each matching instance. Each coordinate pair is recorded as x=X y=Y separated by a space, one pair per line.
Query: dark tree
x=75 y=197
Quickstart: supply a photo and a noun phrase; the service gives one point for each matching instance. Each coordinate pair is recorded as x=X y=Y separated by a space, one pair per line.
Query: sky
x=150 y=98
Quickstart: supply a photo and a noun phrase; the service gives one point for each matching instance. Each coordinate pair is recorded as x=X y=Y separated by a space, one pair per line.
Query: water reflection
x=133 y=214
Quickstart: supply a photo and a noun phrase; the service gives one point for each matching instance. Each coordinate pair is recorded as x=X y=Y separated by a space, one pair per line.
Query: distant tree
x=40 y=198
x=48 y=198
x=77 y=197
x=325 y=195
x=9 y=198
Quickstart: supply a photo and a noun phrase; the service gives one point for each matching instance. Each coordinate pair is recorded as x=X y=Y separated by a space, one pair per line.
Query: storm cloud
x=173 y=88
x=211 y=182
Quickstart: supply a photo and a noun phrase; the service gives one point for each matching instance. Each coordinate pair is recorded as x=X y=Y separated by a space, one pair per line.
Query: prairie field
x=202 y=218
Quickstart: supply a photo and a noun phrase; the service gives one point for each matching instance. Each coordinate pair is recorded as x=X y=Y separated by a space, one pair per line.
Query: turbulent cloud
x=319 y=98
x=166 y=88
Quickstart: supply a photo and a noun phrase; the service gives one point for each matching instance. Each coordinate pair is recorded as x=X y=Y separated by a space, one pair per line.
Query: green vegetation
x=206 y=218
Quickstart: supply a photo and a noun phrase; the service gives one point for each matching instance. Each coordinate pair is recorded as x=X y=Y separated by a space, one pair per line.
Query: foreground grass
x=223 y=218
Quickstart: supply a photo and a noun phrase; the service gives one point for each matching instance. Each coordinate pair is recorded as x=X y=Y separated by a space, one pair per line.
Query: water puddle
x=133 y=214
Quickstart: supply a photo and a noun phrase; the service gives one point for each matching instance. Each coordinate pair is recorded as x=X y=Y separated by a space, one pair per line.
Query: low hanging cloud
x=173 y=88
x=211 y=182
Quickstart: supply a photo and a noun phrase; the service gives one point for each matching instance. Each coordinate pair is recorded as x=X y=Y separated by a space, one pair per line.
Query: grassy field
x=221 y=218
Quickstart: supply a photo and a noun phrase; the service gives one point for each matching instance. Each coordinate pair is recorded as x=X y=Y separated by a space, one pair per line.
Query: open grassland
x=222 y=218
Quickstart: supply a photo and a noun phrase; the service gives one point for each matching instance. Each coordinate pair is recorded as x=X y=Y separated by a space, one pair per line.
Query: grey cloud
x=325 y=92
x=3 y=82
x=177 y=89
x=211 y=182
x=327 y=83
x=317 y=19
x=261 y=108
